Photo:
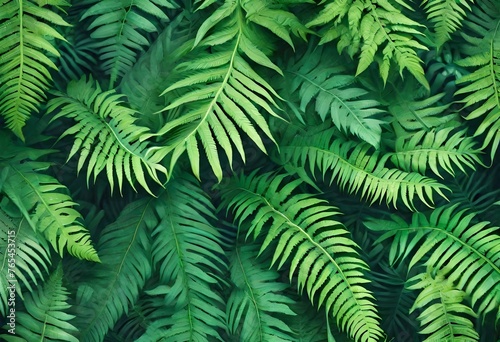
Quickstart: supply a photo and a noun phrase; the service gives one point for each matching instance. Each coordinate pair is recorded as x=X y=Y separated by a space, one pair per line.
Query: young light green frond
x=224 y=95
x=47 y=207
x=256 y=302
x=355 y=168
x=446 y=16
x=187 y=253
x=26 y=32
x=46 y=317
x=30 y=251
x=124 y=247
x=304 y=233
x=120 y=28
x=468 y=253
x=482 y=86
x=437 y=149
x=378 y=31
x=106 y=135
x=444 y=316
x=316 y=78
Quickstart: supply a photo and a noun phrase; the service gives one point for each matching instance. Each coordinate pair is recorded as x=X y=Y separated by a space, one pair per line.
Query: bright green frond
x=30 y=251
x=45 y=204
x=316 y=78
x=468 y=253
x=444 y=316
x=219 y=93
x=377 y=31
x=355 y=168
x=45 y=318
x=26 y=32
x=437 y=149
x=120 y=28
x=446 y=16
x=304 y=234
x=105 y=135
x=256 y=302
x=124 y=247
x=482 y=86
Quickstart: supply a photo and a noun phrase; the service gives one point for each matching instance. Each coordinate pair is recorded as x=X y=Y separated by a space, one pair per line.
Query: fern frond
x=106 y=135
x=219 y=93
x=317 y=247
x=437 y=149
x=119 y=29
x=482 y=86
x=353 y=167
x=467 y=253
x=31 y=253
x=124 y=247
x=444 y=317
x=188 y=255
x=45 y=204
x=45 y=318
x=446 y=16
x=316 y=77
x=377 y=30
x=24 y=69
x=256 y=303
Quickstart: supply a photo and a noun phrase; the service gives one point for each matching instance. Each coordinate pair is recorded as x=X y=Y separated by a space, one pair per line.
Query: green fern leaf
x=434 y=150
x=335 y=95
x=124 y=247
x=354 y=168
x=119 y=29
x=444 y=316
x=32 y=257
x=256 y=301
x=447 y=17
x=106 y=135
x=45 y=318
x=368 y=27
x=187 y=253
x=25 y=32
x=218 y=92
x=316 y=245
x=45 y=204
x=468 y=253
x=482 y=86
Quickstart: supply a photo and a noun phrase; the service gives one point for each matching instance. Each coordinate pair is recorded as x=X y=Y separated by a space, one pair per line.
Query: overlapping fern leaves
x=303 y=232
x=26 y=32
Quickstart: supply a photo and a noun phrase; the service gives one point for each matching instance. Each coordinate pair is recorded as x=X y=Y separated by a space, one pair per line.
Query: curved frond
x=25 y=31
x=316 y=246
x=437 y=149
x=467 y=253
x=45 y=204
x=377 y=30
x=45 y=318
x=482 y=86
x=31 y=254
x=256 y=302
x=354 y=167
x=317 y=78
x=124 y=247
x=444 y=317
x=119 y=29
x=219 y=93
x=105 y=135
x=446 y=16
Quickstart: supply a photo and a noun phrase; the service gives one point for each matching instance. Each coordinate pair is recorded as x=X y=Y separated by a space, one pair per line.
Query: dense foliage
x=250 y=170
